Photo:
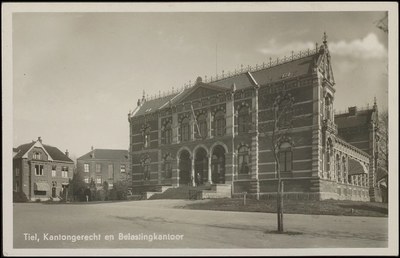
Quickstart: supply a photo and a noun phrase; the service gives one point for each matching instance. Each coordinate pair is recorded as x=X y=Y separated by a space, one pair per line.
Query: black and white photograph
x=200 y=129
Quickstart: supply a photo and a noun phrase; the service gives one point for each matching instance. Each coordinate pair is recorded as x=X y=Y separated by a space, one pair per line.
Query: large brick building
x=41 y=171
x=104 y=165
x=213 y=132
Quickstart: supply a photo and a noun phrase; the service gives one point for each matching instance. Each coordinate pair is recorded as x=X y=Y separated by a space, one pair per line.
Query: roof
x=262 y=76
x=106 y=154
x=54 y=152
x=362 y=117
x=356 y=168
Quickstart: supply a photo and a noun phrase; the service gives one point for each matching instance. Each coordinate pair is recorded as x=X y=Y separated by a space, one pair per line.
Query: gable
x=37 y=153
x=201 y=91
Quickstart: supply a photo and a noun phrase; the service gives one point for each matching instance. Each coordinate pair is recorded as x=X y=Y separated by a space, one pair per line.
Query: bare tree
x=382 y=152
x=275 y=129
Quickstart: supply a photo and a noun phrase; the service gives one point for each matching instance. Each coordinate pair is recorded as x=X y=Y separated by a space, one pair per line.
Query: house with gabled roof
x=212 y=134
x=104 y=165
x=41 y=171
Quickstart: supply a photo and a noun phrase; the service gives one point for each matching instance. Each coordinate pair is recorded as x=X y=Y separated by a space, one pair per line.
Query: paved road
x=190 y=228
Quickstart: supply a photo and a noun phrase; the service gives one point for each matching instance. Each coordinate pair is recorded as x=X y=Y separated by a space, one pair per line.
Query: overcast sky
x=77 y=75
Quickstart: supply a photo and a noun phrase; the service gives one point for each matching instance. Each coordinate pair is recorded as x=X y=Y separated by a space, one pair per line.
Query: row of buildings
x=43 y=172
x=219 y=131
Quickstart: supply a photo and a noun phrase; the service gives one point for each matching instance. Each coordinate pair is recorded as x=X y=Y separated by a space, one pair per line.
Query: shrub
x=19 y=197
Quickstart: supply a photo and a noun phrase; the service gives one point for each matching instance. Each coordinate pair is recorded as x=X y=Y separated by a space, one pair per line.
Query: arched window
x=185 y=130
x=168 y=167
x=202 y=123
x=243 y=119
x=285 y=157
x=329 y=152
x=285 y=113
x=146 y=169
x=344 y=170
x=338 y=171
x=219 y=123
x=167 y=133
x=243 y=160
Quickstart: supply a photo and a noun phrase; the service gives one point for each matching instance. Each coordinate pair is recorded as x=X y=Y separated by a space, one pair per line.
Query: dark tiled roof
x=285 y=71
x=54 y=152
x=106 y=154
x=22 y=149
x=361 y=118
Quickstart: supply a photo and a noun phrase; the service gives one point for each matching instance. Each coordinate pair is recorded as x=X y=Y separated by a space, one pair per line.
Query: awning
x=65 y=184
x=41 y=186
x=356 y=168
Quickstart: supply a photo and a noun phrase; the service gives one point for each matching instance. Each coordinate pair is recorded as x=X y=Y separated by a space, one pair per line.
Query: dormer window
x=36 y=155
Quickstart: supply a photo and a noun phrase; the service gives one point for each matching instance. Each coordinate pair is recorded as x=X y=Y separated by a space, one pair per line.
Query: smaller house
x=104 y=165
x=41 y=171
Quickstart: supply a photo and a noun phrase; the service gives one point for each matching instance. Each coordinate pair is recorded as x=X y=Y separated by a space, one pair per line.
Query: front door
x=53 y=192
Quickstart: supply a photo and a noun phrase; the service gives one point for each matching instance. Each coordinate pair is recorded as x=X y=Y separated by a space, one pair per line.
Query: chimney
x=40 y=139
x=352 y=111
x=67 y=153
x=92 y=148
x=139 y=102
x=92 y=155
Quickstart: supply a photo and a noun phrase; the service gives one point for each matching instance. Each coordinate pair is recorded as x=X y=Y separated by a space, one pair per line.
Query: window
x=98 y=168
x=146 y=137
x=98 y=180
x=39 y=170
x=168 y=167
x=86 y=179
x=185 y=130
x=285 y=157
x=168 y=133
x=86 y=168
x=17 y=186
x=243 y=160
x=243 y=119
x=36 y=155
x=54 y=171
x=338 y=171
x=111 y=171
x=329 y=152
x=202 y=123
x=146 y=169
x=123 y=169
x=16 y=171
x=219 y=118
x=285 y=113
x=64 y=172
x=328 y=108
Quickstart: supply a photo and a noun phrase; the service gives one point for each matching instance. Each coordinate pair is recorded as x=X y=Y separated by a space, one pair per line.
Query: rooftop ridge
x=270 y=64
x=346 y=111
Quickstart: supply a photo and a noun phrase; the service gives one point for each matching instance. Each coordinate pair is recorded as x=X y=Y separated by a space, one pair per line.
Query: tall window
x=146 y=169
x=328 y=107
x=243 y=160
x=86 y=168
x=185 y=130
x=16 y=171
x=54 y=171
x=168 y=167
x=146 y=137
x=344 y=170
x=86 y=179
x=202 y=122
x=110 y=171
x=219 y=122
x=285 y=157
x=338 y=172
x=243 y=119
x=64 y=172
x=285 y=113
x=123 y=168
x=39 y=170
x=329 y=152
x=98 y=168
x=168 y=134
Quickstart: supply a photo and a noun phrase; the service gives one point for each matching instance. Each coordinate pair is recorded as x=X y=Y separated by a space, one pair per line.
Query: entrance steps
x=216 y=191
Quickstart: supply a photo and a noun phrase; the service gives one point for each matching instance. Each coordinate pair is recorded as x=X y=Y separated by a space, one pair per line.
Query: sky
x=76 y=75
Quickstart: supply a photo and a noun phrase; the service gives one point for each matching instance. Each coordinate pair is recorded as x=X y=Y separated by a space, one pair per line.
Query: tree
x=275 y=130
x=122 y=187
x=382 y=151
x=77 y=186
